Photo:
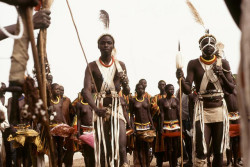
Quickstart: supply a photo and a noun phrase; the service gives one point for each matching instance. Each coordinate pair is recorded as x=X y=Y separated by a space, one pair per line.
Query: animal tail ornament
x=195 y=14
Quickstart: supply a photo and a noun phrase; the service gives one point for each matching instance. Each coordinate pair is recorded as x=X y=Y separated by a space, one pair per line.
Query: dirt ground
x=79 y=161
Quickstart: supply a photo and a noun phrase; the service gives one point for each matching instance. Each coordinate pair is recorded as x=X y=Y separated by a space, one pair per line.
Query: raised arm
x=41 y=19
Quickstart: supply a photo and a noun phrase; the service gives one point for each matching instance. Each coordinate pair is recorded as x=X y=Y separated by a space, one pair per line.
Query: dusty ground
x=79 y=162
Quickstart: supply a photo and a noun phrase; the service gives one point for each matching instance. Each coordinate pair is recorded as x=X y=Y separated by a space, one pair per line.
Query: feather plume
x=195 y=13
x=104 y=18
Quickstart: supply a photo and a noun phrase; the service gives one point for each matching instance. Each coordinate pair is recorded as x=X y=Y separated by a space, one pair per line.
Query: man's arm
x=87 y=94
x=131 y=109
x=21 y=2
x=161 y=116
x=78 y=119
x=150 y=117
x=124 y=80
x=41 y=19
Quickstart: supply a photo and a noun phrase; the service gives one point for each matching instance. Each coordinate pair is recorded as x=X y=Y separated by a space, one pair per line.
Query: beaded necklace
x=105 y=64
x=58 y=100
x=208 y=62
x=84 y=103
x=139 y=100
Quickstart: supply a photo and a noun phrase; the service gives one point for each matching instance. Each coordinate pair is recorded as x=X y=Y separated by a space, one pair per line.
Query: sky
x=146 y=36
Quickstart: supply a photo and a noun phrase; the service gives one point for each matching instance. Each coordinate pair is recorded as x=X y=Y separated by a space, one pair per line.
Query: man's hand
x=179 y=74
x=218 y=70
x=41 y=19
x=101 y=112
x=2 y=117
x=21 y=2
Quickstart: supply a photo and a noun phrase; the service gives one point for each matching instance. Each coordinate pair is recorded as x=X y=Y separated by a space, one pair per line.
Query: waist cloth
x=24 y=134
x=210 y=115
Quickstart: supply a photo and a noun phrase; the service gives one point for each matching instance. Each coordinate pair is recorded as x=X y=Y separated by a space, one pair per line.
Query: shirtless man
x=57 y=118
x=109 y=75
x=85 y=127
x=140 y=108
x=211 y=76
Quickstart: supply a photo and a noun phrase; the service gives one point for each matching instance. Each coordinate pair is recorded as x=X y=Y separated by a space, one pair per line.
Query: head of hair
x=205 y=36
x=137 y=85
x=161 y=81
x=103 y=35
x=53 y=85
x=168 y=86
x=142 y=80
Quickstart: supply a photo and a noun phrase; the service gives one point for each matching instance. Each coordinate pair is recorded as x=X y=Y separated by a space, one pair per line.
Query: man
x=109 y=75
x=155 y=110
x=68 y=113
x=211 y=76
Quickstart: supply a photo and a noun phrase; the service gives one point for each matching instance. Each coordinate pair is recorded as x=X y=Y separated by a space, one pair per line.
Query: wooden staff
x=179 y=65
x=30 y=28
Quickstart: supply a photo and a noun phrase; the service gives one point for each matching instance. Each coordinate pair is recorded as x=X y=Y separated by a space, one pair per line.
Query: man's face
x=144 y=83
x=170 y=90
x=140 y=90
x=56 y=90
x=161 y=85
x=106 y=45
x=61 y=90
x=208 y=46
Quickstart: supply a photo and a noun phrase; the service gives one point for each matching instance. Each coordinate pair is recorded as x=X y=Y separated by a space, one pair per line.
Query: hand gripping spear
x=179 y=65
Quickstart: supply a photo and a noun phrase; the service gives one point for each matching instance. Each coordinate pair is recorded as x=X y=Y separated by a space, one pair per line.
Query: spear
x=179 y=65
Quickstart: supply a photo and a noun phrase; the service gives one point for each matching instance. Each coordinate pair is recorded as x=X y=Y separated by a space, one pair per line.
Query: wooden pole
x=30 y=27
x=181 y=122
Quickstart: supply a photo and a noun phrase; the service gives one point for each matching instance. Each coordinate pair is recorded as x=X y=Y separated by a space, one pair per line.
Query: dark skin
x=141 y=110
x=61 y=88
x=41 y=19
x=84 y=116
x=106 y=45
x=21 y=2
x=59 y=118
x=2 y=93
x=161 y=87
x=195 y=73
x=169 y=107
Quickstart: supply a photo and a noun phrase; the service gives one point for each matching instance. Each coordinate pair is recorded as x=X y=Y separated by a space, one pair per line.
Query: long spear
x=179 y=65
x=92 y=78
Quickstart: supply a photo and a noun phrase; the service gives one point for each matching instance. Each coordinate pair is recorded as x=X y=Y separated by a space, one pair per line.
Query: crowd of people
x=106 y=121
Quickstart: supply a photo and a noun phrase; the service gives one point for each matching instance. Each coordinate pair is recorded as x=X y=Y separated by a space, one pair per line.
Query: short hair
x=103 y=35
x=161 y=81
x=142 y=80
x=54 y=85
x=168 y=86
x=137 y=85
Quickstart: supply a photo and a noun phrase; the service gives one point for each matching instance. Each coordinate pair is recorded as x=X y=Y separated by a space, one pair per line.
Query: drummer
x=140 y=107
x=169 y=124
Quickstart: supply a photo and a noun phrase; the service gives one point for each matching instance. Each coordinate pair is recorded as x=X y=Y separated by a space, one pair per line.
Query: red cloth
x=234 y=130
x=171 y=134
x=88 y=139
x=62 y=130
